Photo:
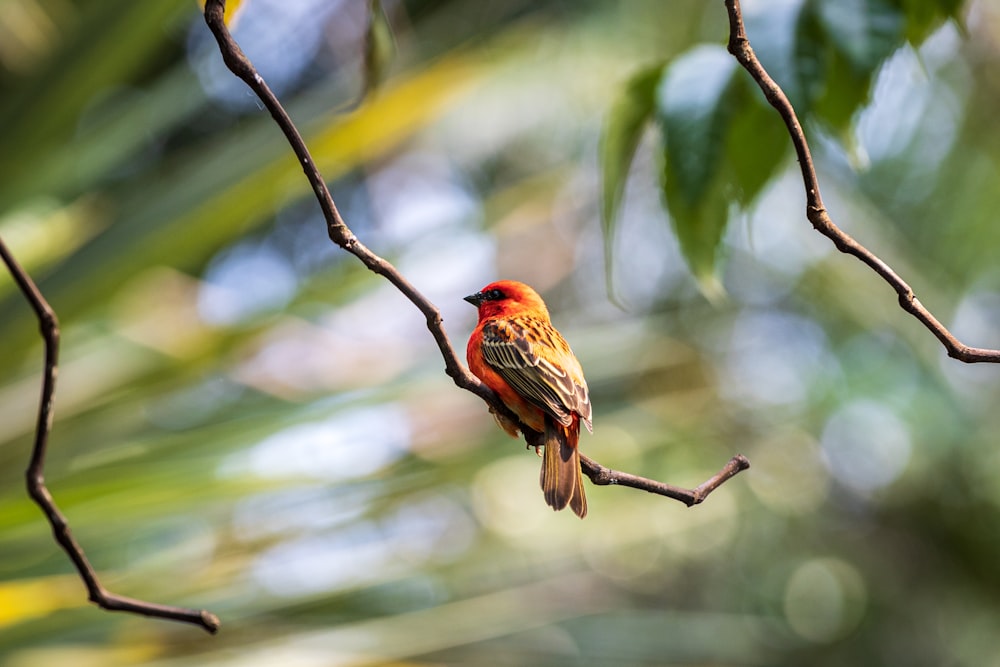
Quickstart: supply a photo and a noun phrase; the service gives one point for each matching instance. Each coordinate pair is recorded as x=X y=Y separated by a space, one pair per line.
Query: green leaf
x=699 y=229
x=757 y=142
x=620 y=136
x=858 y=36
x=693 y=111
x=924 y=16
x=380 y=47
x=776 y=31
x=845 y=92
x=694 y=108
x=865 y=32
x=825 y=55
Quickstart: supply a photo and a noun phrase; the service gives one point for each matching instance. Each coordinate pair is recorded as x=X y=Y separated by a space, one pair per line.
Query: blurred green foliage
x=249 y=421
x=823 y=54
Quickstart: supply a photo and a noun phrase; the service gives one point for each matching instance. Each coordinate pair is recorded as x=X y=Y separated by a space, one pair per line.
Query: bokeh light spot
x=825 y=599
x=866 y=446
x=788 y=474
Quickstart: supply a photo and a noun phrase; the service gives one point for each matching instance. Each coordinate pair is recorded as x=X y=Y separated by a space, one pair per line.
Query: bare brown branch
x=35 y=474
x=602 y=476
x=338 y=231
x=739 y=46
x=340 y=234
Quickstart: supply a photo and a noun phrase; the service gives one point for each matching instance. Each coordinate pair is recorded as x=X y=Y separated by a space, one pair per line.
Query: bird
x=517 y=353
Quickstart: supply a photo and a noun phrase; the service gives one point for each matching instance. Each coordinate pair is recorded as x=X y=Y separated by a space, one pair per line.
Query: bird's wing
x=535 y=360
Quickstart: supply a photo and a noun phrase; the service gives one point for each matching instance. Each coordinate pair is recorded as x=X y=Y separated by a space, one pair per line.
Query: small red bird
x=518 y=354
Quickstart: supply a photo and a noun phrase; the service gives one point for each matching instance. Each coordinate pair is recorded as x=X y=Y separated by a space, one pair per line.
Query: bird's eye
x=495 y=295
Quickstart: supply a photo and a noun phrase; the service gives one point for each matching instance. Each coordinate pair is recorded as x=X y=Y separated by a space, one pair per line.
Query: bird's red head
x=507 y=297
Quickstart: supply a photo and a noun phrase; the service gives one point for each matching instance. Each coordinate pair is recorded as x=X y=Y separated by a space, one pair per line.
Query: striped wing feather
x=511 y=348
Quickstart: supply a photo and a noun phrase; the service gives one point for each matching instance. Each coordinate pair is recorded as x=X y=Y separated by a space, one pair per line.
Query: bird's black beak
x=475 y=299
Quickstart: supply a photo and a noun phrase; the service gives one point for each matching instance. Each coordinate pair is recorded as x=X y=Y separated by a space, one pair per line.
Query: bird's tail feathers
x=562 y=477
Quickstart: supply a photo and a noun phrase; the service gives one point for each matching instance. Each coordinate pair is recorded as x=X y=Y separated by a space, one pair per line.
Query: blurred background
x=249 y=421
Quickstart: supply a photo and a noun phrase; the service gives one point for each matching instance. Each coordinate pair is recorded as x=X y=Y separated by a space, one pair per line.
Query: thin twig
x=739 y=47
x=341 y=234
x=35 y=474
x=602 y=476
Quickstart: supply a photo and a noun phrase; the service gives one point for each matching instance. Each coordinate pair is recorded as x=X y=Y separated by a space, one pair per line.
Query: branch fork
x=340 y=233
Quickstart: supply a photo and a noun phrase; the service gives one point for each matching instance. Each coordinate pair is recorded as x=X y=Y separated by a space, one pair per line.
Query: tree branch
x=35 y=474
x=739 y=47
x=602 y=476
x=337 y=229
x=341 y=234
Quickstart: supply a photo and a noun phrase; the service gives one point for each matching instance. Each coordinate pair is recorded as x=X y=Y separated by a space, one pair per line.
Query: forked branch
x=602 y=476
x=340 y=234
